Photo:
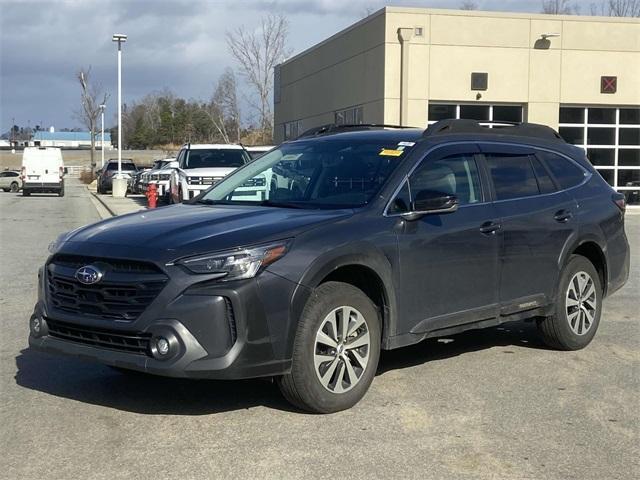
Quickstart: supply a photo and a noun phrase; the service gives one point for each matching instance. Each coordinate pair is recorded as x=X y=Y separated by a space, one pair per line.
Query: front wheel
x=14 y=187
x=578 y=307
x=336 y=350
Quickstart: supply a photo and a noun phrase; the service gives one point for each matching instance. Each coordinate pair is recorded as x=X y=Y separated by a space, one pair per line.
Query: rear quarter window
x=512 y=175
x=566 y=173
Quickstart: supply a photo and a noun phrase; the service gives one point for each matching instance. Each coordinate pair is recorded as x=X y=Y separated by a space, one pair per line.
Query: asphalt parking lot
x=483 y=404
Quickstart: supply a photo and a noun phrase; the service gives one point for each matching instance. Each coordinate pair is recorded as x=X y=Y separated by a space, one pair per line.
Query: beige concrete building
x=413 y=66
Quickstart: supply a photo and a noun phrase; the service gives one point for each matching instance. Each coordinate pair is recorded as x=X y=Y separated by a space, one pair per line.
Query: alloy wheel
x=341 y=349
x=581 y=303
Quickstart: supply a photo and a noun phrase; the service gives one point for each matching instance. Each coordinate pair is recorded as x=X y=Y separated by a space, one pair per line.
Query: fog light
x=162 y=345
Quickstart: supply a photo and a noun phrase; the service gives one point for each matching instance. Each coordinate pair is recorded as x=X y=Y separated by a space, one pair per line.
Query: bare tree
x=257 y=53
x=617 y=8
x=559 y=7
x=92 y=96
x=223 y=108
x=469 y=5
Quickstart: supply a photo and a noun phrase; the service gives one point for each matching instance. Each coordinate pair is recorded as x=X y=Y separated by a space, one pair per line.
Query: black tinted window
x=455 y=175
x=512 y=176
x=566 y=173
x=125 y=166
x=545 y=183
x=215 y=158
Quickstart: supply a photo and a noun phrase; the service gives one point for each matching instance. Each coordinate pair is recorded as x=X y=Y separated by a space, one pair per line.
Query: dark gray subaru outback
x=366 y=238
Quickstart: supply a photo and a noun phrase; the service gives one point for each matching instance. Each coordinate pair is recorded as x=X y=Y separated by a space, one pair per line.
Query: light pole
x=102 y=107
x=119 y=186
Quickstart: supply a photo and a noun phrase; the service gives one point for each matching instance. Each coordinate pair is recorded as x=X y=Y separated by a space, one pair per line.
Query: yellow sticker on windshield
x=387 y=152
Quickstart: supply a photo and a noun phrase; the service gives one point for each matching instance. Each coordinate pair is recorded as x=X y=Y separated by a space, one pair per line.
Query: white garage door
x=611 y=137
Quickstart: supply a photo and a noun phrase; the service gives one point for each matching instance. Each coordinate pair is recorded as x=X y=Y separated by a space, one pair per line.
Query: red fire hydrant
x=152 y=195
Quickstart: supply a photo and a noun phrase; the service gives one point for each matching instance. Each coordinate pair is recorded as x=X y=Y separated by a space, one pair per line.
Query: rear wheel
x=14 y=187
x=25 y=193
x=336 y=350
x=578 y=307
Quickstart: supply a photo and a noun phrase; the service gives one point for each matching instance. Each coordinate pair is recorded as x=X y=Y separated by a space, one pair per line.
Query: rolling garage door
x=611 y=138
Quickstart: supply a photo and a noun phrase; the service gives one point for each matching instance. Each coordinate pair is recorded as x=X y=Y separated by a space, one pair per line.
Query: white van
x=42 y=171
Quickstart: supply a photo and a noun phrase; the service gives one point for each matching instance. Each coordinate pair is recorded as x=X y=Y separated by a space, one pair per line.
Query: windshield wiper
x=271 y=203
x=207 y=201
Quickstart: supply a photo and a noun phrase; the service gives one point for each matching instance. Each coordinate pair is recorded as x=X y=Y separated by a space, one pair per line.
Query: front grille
x=130 y=342
x=204 y=180
x=125 y=291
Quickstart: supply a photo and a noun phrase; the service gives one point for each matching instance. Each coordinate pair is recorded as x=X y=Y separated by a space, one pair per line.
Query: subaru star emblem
x=89 y=275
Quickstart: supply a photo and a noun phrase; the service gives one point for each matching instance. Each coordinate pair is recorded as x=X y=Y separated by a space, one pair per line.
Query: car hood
x=171 y=232
x=208 y=172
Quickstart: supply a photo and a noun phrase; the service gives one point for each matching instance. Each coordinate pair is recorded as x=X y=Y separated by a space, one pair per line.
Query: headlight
x=237 y=264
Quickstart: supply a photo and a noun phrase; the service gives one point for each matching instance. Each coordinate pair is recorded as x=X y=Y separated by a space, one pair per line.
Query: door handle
x=489 y=228
x=563 y=216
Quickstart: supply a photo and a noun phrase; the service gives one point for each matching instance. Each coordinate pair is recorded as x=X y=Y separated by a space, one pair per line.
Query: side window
x=512 y=175
x=402 y=202
x=456 y=175
x=566 y=173
x=545 y=183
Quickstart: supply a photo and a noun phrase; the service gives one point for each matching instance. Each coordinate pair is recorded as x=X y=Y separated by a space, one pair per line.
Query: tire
x=25 y=193
x=578 y=307
x=303 y=387
x=5 y=189
x=14 y=187
x=61 y=192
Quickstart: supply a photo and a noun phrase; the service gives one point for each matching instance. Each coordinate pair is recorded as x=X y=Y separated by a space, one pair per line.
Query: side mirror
x=431 y=201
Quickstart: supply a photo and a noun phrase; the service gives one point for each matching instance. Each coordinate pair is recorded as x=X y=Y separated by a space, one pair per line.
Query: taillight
x=620 y=201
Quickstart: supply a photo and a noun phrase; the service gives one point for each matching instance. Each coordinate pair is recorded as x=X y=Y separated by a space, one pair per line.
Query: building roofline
x=465 y=13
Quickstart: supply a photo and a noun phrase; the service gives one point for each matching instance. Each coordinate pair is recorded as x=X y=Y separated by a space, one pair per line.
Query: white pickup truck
x=202 y=165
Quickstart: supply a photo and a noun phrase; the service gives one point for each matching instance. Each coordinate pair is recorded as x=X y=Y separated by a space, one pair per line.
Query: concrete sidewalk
x=117 y=206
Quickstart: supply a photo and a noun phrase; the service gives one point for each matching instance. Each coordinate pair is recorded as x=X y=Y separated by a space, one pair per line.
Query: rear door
x=537 y=219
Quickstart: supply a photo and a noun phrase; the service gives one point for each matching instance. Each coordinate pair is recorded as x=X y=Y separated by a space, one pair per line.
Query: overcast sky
x=178 y=44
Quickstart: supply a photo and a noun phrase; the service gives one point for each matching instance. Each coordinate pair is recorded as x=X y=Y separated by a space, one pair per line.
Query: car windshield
x=318 y=173
x=215 y=158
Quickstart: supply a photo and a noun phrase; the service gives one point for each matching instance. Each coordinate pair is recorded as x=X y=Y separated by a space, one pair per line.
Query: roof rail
x=449 y=126
x=337 y=128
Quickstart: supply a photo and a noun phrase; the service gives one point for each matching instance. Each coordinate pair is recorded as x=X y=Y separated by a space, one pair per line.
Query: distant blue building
x=69 y=139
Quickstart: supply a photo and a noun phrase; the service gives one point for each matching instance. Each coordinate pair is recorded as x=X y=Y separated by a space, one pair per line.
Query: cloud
x=179 y=44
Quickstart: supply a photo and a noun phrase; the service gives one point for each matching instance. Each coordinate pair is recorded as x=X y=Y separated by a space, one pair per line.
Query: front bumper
x=206 y=342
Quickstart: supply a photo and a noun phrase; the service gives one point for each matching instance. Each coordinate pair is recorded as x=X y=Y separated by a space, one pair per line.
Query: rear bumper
x=42 y=186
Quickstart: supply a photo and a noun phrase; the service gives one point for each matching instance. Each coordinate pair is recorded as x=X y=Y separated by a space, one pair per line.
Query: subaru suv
x=383 y=237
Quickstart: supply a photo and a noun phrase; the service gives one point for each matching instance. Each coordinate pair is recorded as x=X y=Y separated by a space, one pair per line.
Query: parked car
x=10 y=181
x=161 y=178
x=160 y=175
x=257 y=151
x=42 y=171
x=398 y=235
x=200 y=166
x=134 y=183
x=110 y=169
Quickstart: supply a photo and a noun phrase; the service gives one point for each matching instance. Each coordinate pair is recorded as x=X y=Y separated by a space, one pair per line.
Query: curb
x=102 y=202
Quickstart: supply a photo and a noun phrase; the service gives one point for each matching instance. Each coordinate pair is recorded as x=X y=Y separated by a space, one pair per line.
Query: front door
x=449 y=261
